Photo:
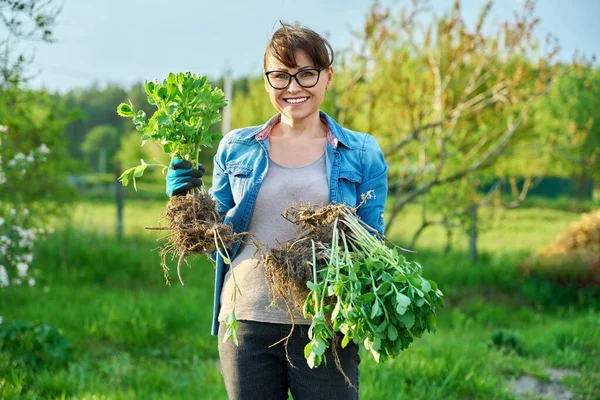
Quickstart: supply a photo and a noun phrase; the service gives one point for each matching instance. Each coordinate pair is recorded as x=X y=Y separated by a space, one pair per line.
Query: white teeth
x=296 y=101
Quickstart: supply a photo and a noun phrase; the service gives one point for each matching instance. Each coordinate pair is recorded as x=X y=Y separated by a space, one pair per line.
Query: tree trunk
x=473 y=235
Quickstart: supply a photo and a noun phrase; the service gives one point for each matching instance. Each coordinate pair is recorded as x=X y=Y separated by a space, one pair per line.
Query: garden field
x=133 y=337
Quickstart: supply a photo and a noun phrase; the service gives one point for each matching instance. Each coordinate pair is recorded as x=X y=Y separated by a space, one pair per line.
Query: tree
x=22 y=20
x=100 y=145
x=445 y=100
x=568 y=116
x=93 y=106
x=33 y=160
x=252 y=107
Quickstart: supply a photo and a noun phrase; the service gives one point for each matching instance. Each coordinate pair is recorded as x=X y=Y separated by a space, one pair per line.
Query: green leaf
x=403 y=300
x=434 y=285
x=150 y=86
x=127 y=176
x=392 y=332
x=376 y=343
x=375 y=311
x=408 y=319
x=319 y=346
x=426 y=286
x=162 y=118
x=307 y=349
x=345 y=340
x=140 y=118
x=125 y=110
x=383 y=288
x=431 y=322
x=139 y=170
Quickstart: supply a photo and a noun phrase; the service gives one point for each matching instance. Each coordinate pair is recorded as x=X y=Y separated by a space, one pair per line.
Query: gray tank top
x=281 y=187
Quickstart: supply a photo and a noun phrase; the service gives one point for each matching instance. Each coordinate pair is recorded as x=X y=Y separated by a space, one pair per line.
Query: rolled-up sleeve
x=221 y=190
x=374 y=182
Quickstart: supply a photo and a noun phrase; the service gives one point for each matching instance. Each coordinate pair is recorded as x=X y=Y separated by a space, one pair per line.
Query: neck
x=310 y=126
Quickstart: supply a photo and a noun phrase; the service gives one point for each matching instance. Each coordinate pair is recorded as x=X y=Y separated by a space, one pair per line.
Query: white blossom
x=0 y=319
x=4 y=282
x=1 y=221
x=22 y=269
x=12 y=163
x=31 y=282
x=28 y=258
x=44 y=149
x=13 y=211
x=30 y=158
x=3 y=128
x=25 y=211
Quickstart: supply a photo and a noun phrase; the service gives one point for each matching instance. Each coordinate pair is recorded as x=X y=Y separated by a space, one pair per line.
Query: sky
x=128 y=41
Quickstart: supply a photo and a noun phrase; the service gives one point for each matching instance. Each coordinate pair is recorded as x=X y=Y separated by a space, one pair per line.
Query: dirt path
x=553 y=390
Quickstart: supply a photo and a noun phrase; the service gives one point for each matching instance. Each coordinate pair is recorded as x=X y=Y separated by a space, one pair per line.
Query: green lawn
x=133 y=337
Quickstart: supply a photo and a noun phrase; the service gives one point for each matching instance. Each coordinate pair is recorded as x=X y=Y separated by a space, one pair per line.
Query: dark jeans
x=256 y=371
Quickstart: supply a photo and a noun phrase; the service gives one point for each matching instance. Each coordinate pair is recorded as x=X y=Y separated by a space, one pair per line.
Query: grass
x=134 y=337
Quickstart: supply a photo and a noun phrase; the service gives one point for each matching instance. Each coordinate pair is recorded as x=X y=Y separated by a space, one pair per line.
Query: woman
x=303 y=155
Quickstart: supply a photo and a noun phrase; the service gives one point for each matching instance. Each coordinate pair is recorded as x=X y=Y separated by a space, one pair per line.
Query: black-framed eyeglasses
x=306 y=78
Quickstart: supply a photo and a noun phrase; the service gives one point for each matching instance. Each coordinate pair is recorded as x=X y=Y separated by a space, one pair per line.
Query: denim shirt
x=355 y=165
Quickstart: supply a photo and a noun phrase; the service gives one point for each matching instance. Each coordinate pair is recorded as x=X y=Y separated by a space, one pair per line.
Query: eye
x=281 y=75
x=308 y=74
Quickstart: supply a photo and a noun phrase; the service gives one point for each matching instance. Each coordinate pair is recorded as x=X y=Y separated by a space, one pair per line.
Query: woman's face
x=296 y=102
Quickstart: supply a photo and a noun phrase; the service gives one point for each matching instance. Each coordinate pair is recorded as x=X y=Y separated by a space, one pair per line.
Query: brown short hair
x=289 y=38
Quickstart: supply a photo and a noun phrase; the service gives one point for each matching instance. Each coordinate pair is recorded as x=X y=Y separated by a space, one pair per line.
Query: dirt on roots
x=196 y=228
x=289 y=265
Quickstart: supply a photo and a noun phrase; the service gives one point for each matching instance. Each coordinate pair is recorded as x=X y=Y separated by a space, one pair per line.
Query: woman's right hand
x=181 y=177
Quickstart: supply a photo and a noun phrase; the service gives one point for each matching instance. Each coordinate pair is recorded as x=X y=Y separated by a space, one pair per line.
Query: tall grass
x=136 y=338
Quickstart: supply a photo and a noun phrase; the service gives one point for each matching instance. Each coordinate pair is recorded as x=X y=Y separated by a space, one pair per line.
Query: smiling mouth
x=298 y=100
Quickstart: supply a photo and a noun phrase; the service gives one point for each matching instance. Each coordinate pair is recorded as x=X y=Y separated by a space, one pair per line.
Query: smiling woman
x=300 y=155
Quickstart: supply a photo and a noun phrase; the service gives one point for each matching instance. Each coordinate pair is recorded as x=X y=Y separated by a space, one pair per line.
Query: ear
x=329 y=77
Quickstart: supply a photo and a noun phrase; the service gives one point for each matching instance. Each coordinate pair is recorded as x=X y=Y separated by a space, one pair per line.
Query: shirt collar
x=264 y=131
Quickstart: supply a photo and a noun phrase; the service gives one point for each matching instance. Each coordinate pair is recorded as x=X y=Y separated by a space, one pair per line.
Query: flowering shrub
x=18 y=230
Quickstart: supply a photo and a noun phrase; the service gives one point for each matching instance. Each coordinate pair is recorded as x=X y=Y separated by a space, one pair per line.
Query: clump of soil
x=317 y=222
x=288 y=268
x=289 y=265
x=196 y=228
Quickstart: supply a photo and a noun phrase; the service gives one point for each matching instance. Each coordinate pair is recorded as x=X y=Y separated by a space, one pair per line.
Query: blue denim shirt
x=355 y=165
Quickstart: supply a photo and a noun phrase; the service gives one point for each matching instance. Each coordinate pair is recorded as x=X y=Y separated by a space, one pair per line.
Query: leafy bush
x=36 y=345
x=505 y=339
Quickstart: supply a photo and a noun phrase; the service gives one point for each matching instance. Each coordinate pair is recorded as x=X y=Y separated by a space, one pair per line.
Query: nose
x=294 y=87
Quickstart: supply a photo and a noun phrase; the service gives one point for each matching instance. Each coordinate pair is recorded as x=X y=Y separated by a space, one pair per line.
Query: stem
x=377 y=297
x=315 y=295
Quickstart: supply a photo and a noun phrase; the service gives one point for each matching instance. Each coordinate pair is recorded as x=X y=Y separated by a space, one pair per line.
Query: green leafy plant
x=35 y=344
x=506 y=339
x=370 y=293
x=187 y=106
